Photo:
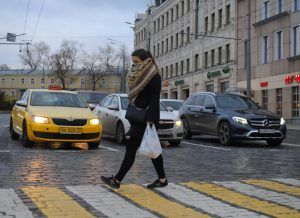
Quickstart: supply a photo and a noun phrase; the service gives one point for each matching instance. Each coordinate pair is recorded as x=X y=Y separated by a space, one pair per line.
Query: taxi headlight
x=240 y=120
x=282 y=121
x=38 y=119
x=178 y=123
x=94 y=121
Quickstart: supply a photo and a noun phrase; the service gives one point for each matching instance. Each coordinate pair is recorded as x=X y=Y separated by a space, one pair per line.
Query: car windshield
x=57 y=99
x=92 y=97
x=234 y=101
x=173 y=104
x=124 y=104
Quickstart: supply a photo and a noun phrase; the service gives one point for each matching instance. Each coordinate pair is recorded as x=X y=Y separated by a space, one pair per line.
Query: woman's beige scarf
x=140 y=76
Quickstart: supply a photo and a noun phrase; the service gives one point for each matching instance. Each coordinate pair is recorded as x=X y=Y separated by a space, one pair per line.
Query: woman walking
x=144 y=84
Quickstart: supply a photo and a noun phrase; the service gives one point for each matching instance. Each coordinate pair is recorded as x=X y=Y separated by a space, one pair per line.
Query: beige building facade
x=193 y=44
x=14 y=82
x=275 y=54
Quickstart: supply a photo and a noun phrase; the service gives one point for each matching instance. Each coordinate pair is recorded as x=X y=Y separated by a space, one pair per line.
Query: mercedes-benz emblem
x=266 y=122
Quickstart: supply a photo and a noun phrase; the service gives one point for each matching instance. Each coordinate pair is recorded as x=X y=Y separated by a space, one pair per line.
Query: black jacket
x=148 y=97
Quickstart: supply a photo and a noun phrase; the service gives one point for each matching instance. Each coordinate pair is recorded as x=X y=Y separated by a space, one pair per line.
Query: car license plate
x=70 y=130
x=162 y=131
x=267 y=131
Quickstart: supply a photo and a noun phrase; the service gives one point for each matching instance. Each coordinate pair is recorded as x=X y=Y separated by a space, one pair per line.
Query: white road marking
x=5 y=126
x=289 y=144
x=108 y=148
x=12 y=206
x=107 y=202
x=4 y=151
x=288 y=181
x=253 y=191
x=205 y=203
x=206 y=146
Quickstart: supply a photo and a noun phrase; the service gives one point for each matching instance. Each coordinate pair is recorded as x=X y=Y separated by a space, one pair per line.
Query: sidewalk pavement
x=293 y=126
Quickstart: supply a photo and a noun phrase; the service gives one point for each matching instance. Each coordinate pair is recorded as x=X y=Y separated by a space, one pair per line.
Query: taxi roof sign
x=54 y=87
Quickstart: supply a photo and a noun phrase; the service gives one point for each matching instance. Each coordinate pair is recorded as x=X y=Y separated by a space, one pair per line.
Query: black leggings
x=131 y=148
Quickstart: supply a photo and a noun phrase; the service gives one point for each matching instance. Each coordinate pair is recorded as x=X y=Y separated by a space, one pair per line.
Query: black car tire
x=120 y=133
x=25 y=140
x=186 y=129
x=13 y=134
x=174 y=142
x=93 y=145
x=224 y=132
x=274 y=142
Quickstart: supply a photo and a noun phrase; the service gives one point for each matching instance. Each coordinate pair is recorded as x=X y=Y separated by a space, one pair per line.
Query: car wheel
x=186 y=129
x=174 y=142
x=120 y=133
x=93 y=145
x=224 y=133
x=274 y=142
x=13 y=134
x=25 y=139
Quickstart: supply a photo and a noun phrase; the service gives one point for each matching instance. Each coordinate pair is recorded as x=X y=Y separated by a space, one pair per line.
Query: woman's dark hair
x=142 y=54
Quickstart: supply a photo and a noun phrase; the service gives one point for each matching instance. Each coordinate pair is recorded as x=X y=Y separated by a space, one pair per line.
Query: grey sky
x=87 y=21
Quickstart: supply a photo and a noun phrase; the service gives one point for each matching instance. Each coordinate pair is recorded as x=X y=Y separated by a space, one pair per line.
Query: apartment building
x=275 y=54
x=14 y=82
x=193 y=42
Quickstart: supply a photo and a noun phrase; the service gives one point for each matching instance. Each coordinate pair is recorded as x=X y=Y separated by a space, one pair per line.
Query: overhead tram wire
x=27 y=11
x=38 y=19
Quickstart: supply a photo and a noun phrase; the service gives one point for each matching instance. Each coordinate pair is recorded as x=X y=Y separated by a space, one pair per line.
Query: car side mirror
x=21 y=103
x=92 y=106
x=113 y=107
x=170 y=109
x=210 y=109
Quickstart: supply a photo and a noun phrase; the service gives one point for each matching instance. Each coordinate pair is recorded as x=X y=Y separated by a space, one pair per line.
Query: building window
x=220 y=55
x=206 y=25
x=188 y=34
x=227 y=53
x=188 y=5
x=279 y=101
x=227 y=14
x=212 y=57
x=182 y=8
x=266 y=9
x=197 y=19
x=296 y=101
x=296 y=40
x=162 y=47
x=42 y=81
x=3 y=81
x=176 y=69
x=182 y=65
x=158 y=24
x=279 y=6
x=167 y=19
x=265 y=99
x=154 y=26
x=188 y=65
x=224 y=86
x=158 y=50
x=52 y=81
x=205 y=59
x=210 y=88
x=212 y=28
x=196 y=62
x=278 y=45
x=220 y=18
x=167 y=45
x=12 y=93
x=12 y=82
x=32 y=81
x=176 y=41
x=182 y=37
x=82 y=82
x=172 y=39
x=172 y=15
x=265 y=55
x=171 y=70
x=167 y=72
x=162 y=21
x=296 y=5
x=154 y=50
x=22 y=81
x=177 y=11
x=162 y=73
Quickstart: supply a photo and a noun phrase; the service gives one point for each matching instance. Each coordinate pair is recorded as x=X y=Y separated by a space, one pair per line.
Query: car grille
x=83 y=136
x=65 y=122
x=260 y=135
x=166 y=124
x=264 y=122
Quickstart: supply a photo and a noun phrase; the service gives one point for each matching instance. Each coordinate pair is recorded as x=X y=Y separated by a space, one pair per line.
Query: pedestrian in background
x=144 y=84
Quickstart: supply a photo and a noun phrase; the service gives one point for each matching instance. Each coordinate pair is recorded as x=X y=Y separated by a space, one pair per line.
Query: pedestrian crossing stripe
x=275 y=186
x=242 y=200
x=190 y=199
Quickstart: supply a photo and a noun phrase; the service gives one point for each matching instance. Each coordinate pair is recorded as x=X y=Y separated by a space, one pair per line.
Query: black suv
x=231 y=117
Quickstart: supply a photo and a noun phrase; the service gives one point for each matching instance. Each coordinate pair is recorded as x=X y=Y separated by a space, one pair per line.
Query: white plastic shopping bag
x=150 y=145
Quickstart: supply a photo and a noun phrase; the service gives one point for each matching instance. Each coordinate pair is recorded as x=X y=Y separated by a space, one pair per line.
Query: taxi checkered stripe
x=278 y=197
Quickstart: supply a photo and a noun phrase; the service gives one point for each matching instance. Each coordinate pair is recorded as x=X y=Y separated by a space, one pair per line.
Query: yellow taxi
x=46 y=115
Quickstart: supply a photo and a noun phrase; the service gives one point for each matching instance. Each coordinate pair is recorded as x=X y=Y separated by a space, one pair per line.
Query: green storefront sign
x=213 y=74
x=179 y=82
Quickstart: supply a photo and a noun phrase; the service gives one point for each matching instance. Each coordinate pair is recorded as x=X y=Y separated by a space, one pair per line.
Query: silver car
x=112 y=110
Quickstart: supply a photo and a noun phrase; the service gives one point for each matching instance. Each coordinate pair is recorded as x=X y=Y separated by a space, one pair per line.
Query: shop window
x=279 y=101
x=224 y=86
x=296 y=101
x=265 y=99
x=210 y=88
